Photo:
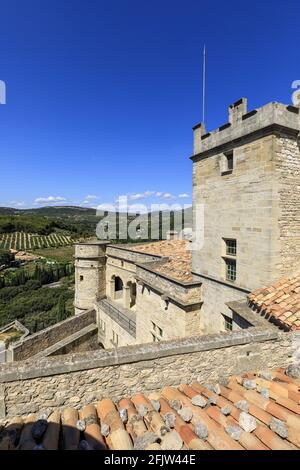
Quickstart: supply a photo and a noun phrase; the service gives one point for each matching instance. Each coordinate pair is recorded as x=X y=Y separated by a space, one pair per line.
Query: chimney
x=237 y=110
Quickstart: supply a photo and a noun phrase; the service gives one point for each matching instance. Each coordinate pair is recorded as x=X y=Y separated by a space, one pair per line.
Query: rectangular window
x=230 y=269
x=227 y=323
x=230 y=247
x=115 y=338
x=229 y=158
x=227 y=163
x=81 y=278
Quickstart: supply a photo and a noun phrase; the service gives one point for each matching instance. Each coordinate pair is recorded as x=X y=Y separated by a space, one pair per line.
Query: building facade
x=246 y=176
x=246 y=183
x=141 y=292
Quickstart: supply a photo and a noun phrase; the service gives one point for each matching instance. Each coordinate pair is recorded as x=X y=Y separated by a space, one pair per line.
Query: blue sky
x=102 y=95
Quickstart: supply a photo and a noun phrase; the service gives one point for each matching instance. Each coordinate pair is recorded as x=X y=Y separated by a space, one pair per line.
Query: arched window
x=118 y=294
x=118 y=284
x=132 y=286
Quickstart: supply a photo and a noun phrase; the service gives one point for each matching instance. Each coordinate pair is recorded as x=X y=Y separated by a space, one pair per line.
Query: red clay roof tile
x=281 y=301
x=157 y=426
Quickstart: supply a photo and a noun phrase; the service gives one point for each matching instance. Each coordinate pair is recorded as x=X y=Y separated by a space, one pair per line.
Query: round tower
x=90 y=261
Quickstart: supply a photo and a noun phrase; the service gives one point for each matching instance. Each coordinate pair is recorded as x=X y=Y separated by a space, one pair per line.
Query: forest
x=36 y=307
x=24 y=294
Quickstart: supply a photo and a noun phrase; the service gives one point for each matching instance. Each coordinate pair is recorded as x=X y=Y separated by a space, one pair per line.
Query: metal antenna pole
x=203 y=84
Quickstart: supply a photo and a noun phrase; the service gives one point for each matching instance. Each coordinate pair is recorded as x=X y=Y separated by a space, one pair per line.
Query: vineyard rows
x=28 y=241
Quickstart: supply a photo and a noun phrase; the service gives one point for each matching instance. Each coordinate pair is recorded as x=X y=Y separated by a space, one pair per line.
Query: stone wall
x=215 y=297
x=78 y=379
x=114 y=268
x=238 y=206
x=108 y=329
x=185 y=293
x=127 y=254
x=288 y=171
x=241 y=205
x=90 y=274
x=177 y=318
x=257 y=203
x=85 y=341
x=255 y=123
x=174 y=321
x=37 y=342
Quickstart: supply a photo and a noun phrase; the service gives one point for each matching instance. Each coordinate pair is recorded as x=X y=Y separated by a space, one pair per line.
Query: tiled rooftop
x=254 y=411
x=280 y=302
x=179 y=264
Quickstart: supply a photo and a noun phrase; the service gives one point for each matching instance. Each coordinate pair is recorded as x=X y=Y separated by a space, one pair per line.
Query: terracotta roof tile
x=179 y=264
x=195 y=416
x=281 y=301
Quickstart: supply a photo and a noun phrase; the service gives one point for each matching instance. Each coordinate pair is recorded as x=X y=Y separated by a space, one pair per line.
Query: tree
x=6 y=257
x=61 y=309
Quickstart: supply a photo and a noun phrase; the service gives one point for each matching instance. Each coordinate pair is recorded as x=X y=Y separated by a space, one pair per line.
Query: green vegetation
x=6 y=257
x=61 y=254
x=34 y=306
x=74 y=222
x=41 y=272
x=28 y=241
x=27 y=224
x=49 y=232
x=10 y=336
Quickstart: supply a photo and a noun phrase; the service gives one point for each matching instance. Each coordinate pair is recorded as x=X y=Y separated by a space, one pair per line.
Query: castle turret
x=90 y=261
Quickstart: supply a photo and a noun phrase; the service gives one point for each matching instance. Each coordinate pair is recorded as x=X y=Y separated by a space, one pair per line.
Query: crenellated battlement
x=269 y=119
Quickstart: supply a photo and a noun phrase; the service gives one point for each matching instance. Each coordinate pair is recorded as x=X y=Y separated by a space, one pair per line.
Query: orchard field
x=30 y=241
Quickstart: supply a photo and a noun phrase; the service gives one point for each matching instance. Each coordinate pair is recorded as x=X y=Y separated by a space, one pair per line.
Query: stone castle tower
x=246 y=176
x=90 y=280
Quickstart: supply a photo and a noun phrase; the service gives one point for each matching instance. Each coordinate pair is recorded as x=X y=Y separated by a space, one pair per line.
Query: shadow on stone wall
x=41 y=435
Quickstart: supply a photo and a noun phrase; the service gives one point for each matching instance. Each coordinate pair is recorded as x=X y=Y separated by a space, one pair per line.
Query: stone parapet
x=127 y=254
x=46 y=338
x=82 y=378
x=273 y=116
x=183 y=293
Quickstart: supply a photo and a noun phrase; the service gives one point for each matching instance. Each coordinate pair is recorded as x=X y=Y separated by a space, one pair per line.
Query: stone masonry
x=256 y=203
x=77 y=379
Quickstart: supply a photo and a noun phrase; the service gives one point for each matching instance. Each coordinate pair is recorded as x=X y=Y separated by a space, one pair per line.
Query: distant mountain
x=71 y=211
x=50 y=211
x=79 y=221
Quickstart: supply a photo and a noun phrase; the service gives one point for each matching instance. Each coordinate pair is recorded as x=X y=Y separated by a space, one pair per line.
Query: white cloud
x=106 y=207
x=49 y=199
x=137 y=196
x=168 y=196
x=90 y=197
x=158 y=194
x=17 y=203
x=183 y=195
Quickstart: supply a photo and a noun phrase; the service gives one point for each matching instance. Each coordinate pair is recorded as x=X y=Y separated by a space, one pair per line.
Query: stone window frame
x=228 y=322
x=115 y=338
x=230 y=269
x=230 y=259
x=230 y=246
x=156 y=332
x=227 y=163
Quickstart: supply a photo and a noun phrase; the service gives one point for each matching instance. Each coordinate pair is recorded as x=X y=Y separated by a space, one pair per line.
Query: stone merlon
x=271 y=118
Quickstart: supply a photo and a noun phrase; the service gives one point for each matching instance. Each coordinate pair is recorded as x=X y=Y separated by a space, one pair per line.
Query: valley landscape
x=37 y=260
